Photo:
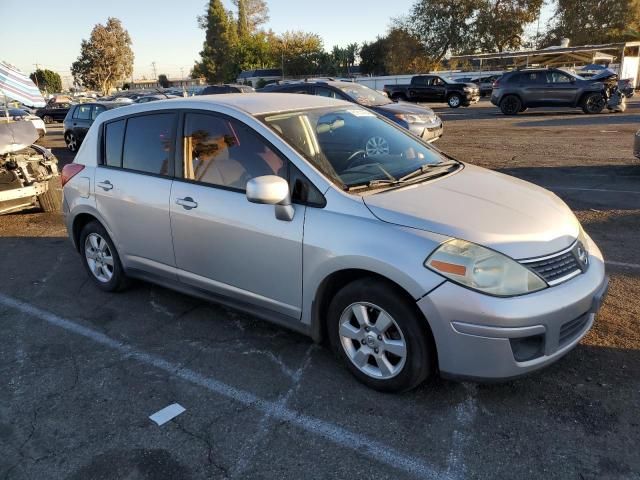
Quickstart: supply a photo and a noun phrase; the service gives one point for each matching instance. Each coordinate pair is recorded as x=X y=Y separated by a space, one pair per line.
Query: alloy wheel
x=454 y=101
x=595 y=103
x=72 y=142
x=372 y=340
x=99 y=257
x=376 y=146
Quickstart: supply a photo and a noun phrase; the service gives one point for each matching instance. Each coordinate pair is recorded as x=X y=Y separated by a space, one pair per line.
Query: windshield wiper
x=371 y=184
x=427 y=167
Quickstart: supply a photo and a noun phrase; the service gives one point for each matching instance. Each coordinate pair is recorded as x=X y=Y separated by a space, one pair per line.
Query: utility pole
x=35 y=75
x=181 y=73
x=153 y=65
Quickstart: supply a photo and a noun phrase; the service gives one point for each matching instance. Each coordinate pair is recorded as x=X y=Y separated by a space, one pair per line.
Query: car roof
x=251 y=103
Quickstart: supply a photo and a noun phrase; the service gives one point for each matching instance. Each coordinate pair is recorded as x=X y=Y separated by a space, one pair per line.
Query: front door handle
x=187 y=203
x=106 y=185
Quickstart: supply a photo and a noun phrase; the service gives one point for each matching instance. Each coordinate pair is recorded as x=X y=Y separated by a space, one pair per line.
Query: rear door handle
x=187 y=203
x=106 y=185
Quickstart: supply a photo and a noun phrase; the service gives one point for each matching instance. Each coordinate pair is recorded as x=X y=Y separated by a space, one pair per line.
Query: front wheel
x=593 y=103
x=454 y=100
x=379 y=336
x=47 y=119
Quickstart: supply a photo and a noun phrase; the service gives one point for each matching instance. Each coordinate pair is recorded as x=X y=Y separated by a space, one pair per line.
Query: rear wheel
x=510 y=105
x=593 y=103
x=51 y=200
x=399 y=97
x=379 y=336
x=72 y=141
x=454 y=100
x=101 y=259
x=47 y=119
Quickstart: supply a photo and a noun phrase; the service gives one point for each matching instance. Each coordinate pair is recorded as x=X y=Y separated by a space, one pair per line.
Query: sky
x=166 y=31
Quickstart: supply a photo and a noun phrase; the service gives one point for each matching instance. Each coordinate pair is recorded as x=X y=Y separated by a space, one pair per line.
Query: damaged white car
x=28 y=173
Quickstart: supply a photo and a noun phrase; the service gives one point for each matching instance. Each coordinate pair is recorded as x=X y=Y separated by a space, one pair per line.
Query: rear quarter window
x=114 y=135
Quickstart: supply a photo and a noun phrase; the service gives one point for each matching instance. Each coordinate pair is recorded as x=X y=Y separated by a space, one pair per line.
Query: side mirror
x=272 y=190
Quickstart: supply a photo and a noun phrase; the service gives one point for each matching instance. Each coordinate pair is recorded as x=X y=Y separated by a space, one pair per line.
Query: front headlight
x=482 y=269
x=416 y=118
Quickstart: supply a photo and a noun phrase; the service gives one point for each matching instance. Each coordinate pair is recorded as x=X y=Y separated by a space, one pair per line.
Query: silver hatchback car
x=407 y=261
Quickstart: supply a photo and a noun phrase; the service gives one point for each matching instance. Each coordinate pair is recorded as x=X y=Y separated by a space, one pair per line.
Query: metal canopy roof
x=553 y=55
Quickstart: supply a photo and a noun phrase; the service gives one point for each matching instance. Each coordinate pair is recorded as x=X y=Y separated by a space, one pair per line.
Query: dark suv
x=80 y=118
x=518 y=90
x=418 y=119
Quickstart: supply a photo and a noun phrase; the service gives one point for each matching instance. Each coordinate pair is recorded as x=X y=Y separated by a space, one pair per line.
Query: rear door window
x=82 y=112
x=149 y=143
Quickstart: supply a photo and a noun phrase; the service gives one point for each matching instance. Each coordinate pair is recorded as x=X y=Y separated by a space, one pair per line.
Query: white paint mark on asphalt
x=605 y=190
x=465 y=415
x=167 y=413
x=250 y=448
x=635 y=266
x=286 y=370
x=160 y=309
x=358 y=443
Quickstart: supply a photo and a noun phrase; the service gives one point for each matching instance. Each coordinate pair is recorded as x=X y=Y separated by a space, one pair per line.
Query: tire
x=72 y=141
x=593 y=103
x=523 y=109
x=510 y=105
x=399 y=97
x=454 y=100
x=407 y=332
x=90 y=246
x=47 y=119
x=51 y=200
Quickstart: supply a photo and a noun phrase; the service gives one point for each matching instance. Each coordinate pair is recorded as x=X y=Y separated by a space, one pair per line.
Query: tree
x=300 y=52
x=105 y=59
x=591 y=22
x=406 y=54
x=46 y=80
x=372 y=57
x=216 y=58
x=441 y=26
x=256 y=11
x=499 y=24
x=163 y=80
x=243 y=21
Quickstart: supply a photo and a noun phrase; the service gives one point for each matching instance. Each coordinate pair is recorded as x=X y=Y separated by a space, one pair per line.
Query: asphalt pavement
x=82 y=370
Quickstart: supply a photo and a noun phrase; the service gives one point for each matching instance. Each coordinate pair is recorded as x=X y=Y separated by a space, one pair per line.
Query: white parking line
x=635 y=266
x=370 y=448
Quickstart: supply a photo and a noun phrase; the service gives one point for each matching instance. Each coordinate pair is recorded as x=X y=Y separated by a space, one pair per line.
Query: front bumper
x=471 y=98
x=427 y=132
x=477 y=336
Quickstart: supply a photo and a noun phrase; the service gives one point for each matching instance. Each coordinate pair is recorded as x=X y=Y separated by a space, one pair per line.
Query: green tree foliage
x=372 y=57
x=163 y=80
x=47 y=80
x=300 y=52
x=591 y=22
x=499 y=24
x=397 y=53
x=243 y=21
x=105 y=59
x=256 y=12
x=216 y=63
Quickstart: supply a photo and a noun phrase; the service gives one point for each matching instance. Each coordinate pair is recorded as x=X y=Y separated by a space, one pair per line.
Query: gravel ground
x=82 y=370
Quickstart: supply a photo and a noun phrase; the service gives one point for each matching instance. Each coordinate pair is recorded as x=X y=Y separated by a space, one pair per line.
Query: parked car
x=53 y=112
x=410 y=262
x=80 y=117
x=636 y=145
x=226 y=88
x=485 y=83
x=17 y=114
x=434 y=88
x=154 y=97
x=419 y=120
x=518 y=90
x=28 y=172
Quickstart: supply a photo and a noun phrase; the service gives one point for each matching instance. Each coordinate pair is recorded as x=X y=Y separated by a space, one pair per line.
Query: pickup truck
x=434 y=88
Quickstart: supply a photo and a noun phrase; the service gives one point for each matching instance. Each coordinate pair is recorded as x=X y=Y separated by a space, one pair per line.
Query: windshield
x=365 y=95
x=353 y=146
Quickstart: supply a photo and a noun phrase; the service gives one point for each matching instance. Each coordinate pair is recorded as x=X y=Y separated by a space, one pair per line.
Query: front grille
x=557 y=268
x=572 y=329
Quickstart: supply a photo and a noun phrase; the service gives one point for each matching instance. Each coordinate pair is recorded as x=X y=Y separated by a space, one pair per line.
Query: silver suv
x=407 y=261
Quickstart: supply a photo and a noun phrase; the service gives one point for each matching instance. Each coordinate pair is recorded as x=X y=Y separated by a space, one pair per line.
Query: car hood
x=403 y=107
x=16 y=136
x=509 y=215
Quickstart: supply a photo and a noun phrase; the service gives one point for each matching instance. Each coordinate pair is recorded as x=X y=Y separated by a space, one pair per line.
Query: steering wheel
x=353 y=158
